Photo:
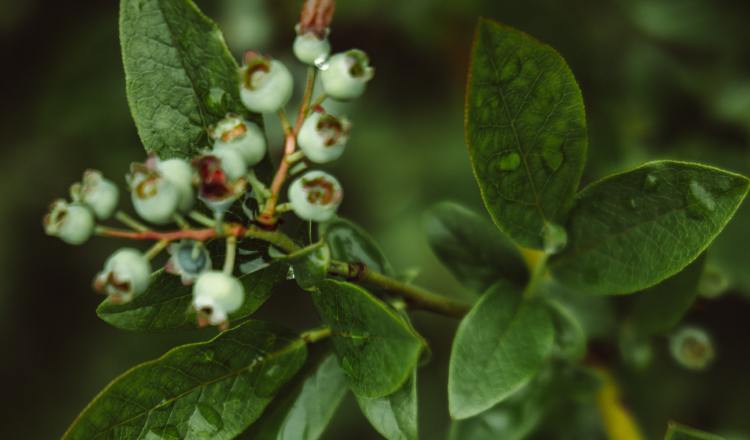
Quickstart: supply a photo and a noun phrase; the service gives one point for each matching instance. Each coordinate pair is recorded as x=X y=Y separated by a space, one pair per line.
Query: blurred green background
x=660 y=78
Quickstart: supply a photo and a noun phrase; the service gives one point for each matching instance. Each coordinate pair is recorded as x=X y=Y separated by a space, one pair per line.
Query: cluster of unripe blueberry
x=163 y=191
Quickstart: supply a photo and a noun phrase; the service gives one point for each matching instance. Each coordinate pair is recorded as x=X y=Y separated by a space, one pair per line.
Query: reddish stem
x=193 y=234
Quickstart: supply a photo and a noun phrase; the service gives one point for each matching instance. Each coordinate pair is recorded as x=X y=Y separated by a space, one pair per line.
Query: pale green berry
x=692 y=348
x=232 y=162
x=96 y=192
x=216 y=295
x=179 y=173
x=310 y=48
x=188 y=259
x=154 y=198
x=323 y=137
x=244 y=136
x=266 y=85
x=315 y=196
x=125 y=275
x=345 y=75
x=73 y=223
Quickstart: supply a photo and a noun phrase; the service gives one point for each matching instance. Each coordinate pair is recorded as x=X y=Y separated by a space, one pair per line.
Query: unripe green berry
x=692 y=348
x=323 y=137
x=345 y=75
x=243 y=136
x=315 y=196
x=179 y=173
x=216 y=295
x=125 y=275
x=96 y=192
x=310 y=48
x=219 y=184
x=231 y=162
x=72 y=223
x=266 y=85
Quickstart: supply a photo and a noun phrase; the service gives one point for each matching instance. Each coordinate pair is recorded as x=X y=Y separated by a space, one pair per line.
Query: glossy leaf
x=629 y=231
x=661 y=307
x=472 y=248
x=213 y=389
x=526 y=131
x=310 y=265
x=351 y=243
x=180 y=76
x=166 y=304
x=499 y=346
x=394 y=416
x=675 y=431
x=376 y=348
x=305 y=413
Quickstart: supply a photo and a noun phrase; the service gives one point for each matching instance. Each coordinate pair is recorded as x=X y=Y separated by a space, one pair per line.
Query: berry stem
x=416 y=296
x=316 y=334
x=130 y=222
x=231 y=252
x=156 y=249
x=269 y=214
x=202 y=219
x=181 y=222
x=319 y=100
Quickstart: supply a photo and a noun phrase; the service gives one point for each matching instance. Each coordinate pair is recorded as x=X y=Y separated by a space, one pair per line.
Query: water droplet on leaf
x=168 y=432
x=701 y=196
x=509 y=161
x=650 y=182
x=215 y=98
x=554 y=238
x=553 y=158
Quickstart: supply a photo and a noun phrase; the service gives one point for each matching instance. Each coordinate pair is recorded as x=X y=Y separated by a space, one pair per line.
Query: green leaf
x=570 y=336
x=351 y=243
x=675 y=431
x=166 y=303
x=629 y=231
x=499 y=346
x=180 y=76
x=213 y=389
x=310 y=264
x=526 y=131
x=394 y=416
x=377 y=348
x=661 y=307
x=472 y=248
x=306 y=412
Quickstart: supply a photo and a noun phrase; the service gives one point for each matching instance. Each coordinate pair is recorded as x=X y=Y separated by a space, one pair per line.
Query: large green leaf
x=213 y=389
x=306 y=412
x=180 y=76
x=376 y=348
x=499 y=346
x=472 y=248
x=351 y=243
x=394 y=416
x=166 y=304
x=526 y=130
x=675 y=431
x=661 y=307
x=630 y=231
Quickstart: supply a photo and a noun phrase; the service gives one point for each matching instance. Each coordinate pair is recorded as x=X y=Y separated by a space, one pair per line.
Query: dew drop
x=650 y=182
x=554 y=238
x=168 y=432
x=509 y=161
x=553 y=158
x=702 y=196
x=215 y=98
x=205 y=419
x=272 y=372
x=633 y=203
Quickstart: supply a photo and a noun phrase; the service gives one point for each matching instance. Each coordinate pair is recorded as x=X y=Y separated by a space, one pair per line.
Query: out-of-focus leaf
x=377 y=349
x=306 y=412
x=570 y=337
x=179 y=74
x=629 y=231
x=213 y=389
x=394 y=416
x=526 y=130
x=675 y=431
x=661 y=307
x=472 y=248
x=499 y=346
